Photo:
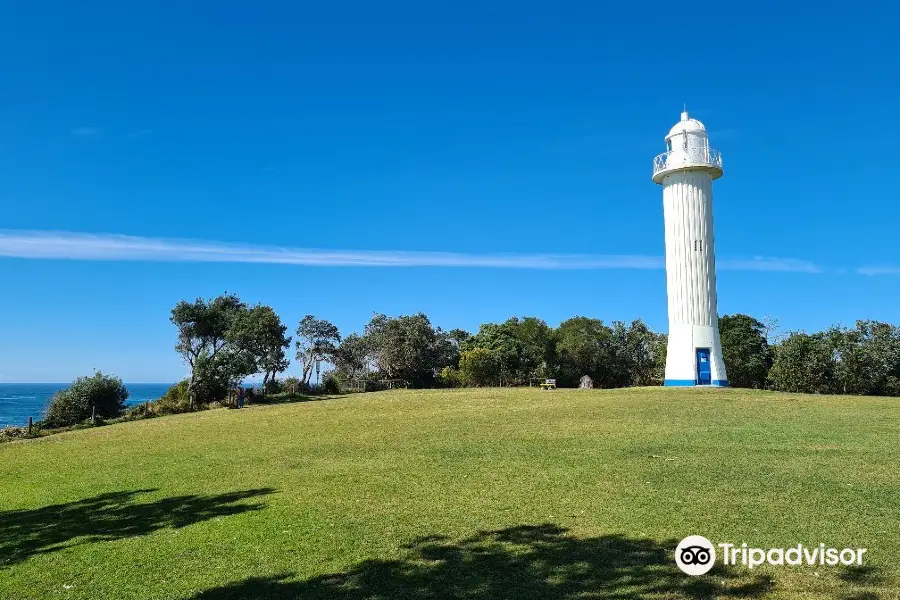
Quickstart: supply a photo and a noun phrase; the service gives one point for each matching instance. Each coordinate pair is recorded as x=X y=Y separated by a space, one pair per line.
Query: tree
x=523 y=348
x=882 y=344
x=639 y=352
x=103 y=395
x=350 y=358
x=537 y=353
x=585 y=346
x=317 y=340
x=203 y=328
x=446 y=350
x=803 y=363
x=659 y=365
x=745 y=351
x=502 y=340
x=478 y=367
x=450 y=377
x=866 y=358
x=459 y=337
x=259 y=333
x=407 y=347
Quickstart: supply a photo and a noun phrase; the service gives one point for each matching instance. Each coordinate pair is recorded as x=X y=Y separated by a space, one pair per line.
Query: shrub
x=274 y=386
x=9 y=434
x=175 y=400
x=212 y=380
x=450 y=378
x=803 y=363
x=292 y=385
x=331 y=385
x=478 y=367
x=104 y=393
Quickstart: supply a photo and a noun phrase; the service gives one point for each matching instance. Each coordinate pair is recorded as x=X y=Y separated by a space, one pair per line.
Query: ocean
x=18 y=401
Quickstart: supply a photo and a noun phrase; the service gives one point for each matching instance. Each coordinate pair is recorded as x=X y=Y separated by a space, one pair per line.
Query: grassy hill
x=476 y=494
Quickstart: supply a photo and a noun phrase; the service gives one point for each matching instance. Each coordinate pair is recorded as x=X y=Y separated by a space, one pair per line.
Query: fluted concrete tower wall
x=686 y=172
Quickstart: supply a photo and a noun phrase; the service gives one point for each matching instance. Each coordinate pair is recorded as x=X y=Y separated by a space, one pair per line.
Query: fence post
x=29 y=426
x=94 y=415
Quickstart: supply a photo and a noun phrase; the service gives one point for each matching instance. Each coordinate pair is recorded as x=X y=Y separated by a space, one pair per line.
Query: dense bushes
x=330 y=385
x=100 y=395
x=745 y=350
x=863 y=360
x=479 y=367
x=175 y=400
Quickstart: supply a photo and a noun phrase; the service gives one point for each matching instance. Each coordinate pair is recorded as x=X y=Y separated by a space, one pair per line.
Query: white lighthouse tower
x=686 y=171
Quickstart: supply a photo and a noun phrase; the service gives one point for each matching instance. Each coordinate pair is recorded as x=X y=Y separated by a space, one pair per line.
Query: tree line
x=223 y=341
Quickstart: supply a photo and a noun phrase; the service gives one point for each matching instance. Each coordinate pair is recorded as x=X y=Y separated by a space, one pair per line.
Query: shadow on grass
x=112 y=516
x=290 y=399
x=518 y=563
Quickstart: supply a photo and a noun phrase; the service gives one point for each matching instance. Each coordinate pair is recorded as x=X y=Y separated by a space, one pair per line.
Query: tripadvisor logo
x=696 y=555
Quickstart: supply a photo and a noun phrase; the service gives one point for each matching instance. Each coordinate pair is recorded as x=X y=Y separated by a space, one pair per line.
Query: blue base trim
x=692 y=382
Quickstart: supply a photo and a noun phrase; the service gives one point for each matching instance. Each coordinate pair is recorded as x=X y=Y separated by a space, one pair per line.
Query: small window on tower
x=668 y=145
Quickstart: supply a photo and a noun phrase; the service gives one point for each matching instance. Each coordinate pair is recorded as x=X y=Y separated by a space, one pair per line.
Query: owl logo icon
x=695 y=555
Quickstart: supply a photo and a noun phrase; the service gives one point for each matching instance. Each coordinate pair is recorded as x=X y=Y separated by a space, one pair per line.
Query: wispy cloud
x=767 y=263
x=84 y=131
x=108 y=247
x=879 y=270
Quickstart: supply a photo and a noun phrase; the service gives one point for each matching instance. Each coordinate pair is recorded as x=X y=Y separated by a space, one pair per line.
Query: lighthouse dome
x=687 y=148
x=687 y=125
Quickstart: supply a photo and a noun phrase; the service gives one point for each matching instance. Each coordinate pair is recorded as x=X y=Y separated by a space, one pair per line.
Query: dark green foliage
x=458 y=337
x=523 y=348
x=450 y=377
x=330 y=385
x=585 y=347
x=803 y=363
x=638 y=351
x=214 y=377
x=407 y=347
x=864 y=360
x=259 y=333
x=614 y=356
x=223 y=341
x=273 y=386
x=292 y=385
x=175 y=400
x=203 y=332
x=659 y=365
x=479 y=367
x=746 y=352
x=350 y=357
x=867 y=358
x=77 y=403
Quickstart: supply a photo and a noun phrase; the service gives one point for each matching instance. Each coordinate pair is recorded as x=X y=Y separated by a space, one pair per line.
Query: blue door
x=704 y=371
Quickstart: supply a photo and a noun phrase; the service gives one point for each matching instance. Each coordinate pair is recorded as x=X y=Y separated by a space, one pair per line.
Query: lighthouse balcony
x=692 y=158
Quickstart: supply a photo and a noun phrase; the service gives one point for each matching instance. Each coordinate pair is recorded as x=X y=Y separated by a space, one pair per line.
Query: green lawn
x=475 y=494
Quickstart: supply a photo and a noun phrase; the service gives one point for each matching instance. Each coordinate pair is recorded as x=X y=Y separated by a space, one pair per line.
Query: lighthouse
x=686 y=171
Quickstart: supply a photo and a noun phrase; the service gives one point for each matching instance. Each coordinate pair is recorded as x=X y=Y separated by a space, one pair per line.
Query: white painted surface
x=686 y=174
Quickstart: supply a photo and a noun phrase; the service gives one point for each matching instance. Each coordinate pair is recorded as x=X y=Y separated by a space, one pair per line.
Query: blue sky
x=521 y=129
